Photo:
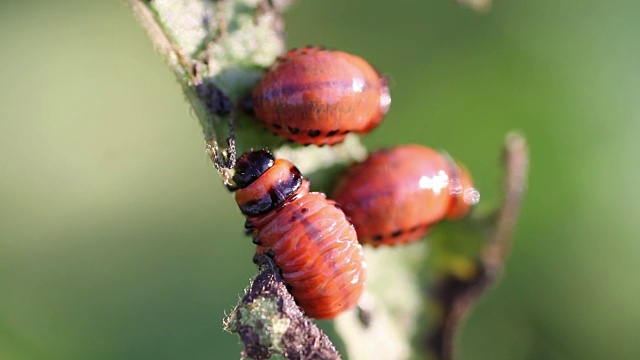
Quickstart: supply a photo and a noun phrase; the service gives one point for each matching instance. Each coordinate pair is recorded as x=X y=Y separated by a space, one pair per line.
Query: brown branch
x=457 y=296
x=269 y=322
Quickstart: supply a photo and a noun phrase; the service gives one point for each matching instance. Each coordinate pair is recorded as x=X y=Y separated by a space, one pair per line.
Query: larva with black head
x=308 y=237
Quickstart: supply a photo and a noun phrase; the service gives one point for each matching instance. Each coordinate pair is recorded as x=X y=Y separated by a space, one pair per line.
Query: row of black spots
x=311 y=133
x=299 y=51
x=290 y=141
x=397 y=233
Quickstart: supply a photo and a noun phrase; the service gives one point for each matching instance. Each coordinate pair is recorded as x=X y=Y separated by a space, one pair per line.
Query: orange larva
x=308 y=236
x=396 y=195
x=317 y=96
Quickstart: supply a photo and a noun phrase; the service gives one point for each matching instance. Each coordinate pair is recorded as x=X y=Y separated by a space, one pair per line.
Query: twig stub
x=456 y=296
x=269 y=322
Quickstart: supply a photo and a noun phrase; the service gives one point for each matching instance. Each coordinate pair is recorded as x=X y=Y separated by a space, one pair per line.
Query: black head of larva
x=251 y=166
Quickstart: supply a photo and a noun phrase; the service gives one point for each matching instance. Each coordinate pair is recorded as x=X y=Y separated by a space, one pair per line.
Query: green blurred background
x=117 y=240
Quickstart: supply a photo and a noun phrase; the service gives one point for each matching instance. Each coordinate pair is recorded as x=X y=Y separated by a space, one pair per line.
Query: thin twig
x=458 y=296
x=270 y=323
